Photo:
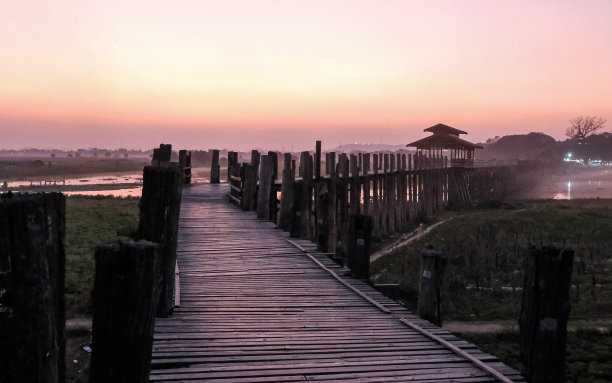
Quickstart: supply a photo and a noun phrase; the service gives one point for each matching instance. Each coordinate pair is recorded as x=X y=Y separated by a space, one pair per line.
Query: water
x=578 y=184
x=135 y=178
x=133 y=192
x=126 y=185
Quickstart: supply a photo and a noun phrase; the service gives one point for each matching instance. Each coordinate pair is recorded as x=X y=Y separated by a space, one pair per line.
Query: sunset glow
x=269 y=74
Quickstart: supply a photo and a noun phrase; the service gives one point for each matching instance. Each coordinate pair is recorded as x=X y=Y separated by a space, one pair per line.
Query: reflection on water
x=585 y=184
x=134 y=192
x=135 y=178
x=126 y=185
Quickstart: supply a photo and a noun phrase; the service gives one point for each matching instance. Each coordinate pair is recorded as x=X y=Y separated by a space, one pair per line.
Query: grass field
x=91 y=221
x=588 y=353
x=486 y=250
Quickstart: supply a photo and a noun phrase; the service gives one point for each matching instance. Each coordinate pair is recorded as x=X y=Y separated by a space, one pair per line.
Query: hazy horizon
x=273 y=74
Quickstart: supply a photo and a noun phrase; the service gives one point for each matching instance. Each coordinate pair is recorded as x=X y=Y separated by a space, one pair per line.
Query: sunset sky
x=273 y=74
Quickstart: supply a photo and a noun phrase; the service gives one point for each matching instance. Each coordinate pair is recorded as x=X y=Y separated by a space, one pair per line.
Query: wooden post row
x=32 y=258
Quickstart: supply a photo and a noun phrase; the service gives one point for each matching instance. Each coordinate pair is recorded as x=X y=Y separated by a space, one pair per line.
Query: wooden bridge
x=257 y=306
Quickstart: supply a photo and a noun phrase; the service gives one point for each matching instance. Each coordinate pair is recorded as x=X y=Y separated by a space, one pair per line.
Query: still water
x=123 y=185
x=575 y=185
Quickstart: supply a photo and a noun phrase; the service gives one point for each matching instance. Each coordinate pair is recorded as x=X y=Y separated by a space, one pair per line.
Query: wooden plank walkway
x=256 y=308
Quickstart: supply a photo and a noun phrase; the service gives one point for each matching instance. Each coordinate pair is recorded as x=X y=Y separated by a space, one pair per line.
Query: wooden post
x=182 y=162
x=295 y=229
x=403 y=194
x=375 y=196
x=286 y=203
x=232 y=159
x=390 y=196
x=544 y=314
x=433 y=265
x=355 y=186
x=366 y=194
x=274 y=157
x=265 y=187
x=323 y=209
x=255 y=159
x=317 y=161
x=160 y=206
x=287 y=161
x=125 y=298
x=215 y=169
x=366 y=164
x=162 y=155
x=360 y=230
x=305 y=202
x=32 y=322
x=188 y=169
x=332 y=164
x=249 y=188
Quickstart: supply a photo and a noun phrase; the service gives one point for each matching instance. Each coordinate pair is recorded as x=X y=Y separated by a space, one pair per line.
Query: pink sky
x=272 y=74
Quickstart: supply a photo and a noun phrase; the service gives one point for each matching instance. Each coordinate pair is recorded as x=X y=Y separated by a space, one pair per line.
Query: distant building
x=445 y=137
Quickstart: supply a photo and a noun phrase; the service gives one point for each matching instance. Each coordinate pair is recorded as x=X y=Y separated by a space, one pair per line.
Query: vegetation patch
x=588 y=353
x=91 y=221
x=486 y=250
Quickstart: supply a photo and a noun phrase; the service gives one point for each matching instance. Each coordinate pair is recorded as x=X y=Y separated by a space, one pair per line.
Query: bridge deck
x=256 y=308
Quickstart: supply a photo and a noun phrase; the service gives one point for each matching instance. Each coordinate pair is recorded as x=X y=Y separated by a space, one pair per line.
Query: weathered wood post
x=305 y=201
x=182 y=162
x=360 y=232
x=161 y=155
x=232 y=159
x=284 y=214
x=355 y=186
x=249 y=187
x=274 y=201
x=215 y=168
x=264 y=194
x=433 y=265
x=32 y=322
x=160 y=205
x=188 y=169
x=255 y=159
x=323 y=202
x=125 y=298
x=295 y=228
x=317 y=161
x=342 y=210
x=544 y=314
x=375 y=199
x=332 y=164
x=366 y=183
x=286 y=161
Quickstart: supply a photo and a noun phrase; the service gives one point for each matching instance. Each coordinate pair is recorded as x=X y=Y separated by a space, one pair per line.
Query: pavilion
x=445 y=137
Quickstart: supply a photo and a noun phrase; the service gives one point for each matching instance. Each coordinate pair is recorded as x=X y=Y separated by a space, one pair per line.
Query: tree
x=583 y=126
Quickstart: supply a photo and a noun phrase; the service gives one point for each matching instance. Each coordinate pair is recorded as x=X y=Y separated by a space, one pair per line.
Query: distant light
x=569 y=155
